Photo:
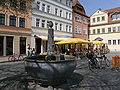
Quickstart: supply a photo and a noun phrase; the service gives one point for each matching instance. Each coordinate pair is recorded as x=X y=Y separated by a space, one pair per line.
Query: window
x=93 y=31
x=119 y=29
x=109 y=30
x=66 y=2
x=114 y=42
x=60 y=13
x=66 y=28
x=38 y=4
x=66 y=14
x=116 y=16
x=93 y=20
x=78 y=29
x=47 y=24
x=89 y=31
x=60 y=0
x=69 y=4
x=69 y=15
x=60 y=27
x=43 y=7
x=75 y=29
x=43 y=23
x=13 y=3
x=12 y=21
x=109 y=42
x=37 y=22
x=78 y=18
x=69 y=28
x=98 y=19
x=85 y=20
x=48 y=9
x=118 y=41
x=22 y=22
x=56 y=11
x=103 y=18
x=114 y=29
x=56 y=25
x=22 y=5
x=2 y=19
x=103 y=30
x=98 y=30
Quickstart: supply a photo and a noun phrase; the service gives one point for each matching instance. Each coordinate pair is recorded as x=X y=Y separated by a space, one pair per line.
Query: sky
x=91 y=6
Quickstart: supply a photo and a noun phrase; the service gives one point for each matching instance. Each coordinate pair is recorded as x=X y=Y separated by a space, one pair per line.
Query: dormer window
x=116 y=16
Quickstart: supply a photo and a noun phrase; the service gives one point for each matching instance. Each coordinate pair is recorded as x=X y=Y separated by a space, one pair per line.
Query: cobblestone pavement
x=13 y=77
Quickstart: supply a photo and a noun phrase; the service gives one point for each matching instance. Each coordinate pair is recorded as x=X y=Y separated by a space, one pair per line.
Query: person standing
x=33 y=52
x=28 y=50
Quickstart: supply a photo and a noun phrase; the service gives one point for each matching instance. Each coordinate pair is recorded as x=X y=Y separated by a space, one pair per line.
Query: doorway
x=38 y=45
x=22 y=45
x=1 y=45
x=9 y=45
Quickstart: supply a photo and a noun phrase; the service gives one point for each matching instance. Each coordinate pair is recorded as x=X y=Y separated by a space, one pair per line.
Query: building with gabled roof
x=80 y=21
x=105 y=24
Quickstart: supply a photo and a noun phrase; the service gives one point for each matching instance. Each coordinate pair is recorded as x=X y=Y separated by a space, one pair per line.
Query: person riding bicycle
x=92 y=58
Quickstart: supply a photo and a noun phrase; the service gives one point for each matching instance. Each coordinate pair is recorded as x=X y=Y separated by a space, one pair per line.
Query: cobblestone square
x=13 y=77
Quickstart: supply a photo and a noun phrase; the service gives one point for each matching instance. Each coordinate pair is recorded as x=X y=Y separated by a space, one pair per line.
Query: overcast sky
x=92 y=5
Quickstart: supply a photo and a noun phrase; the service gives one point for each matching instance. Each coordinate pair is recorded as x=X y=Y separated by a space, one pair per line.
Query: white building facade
x=57 y=11
x=105 y=24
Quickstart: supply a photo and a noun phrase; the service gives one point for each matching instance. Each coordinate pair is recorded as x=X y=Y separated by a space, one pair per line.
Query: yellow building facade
x=105 y=24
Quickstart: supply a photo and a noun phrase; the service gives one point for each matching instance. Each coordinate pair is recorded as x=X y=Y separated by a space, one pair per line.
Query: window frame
x=43 y=24
x=22 y=22
x=12 y=21
x=2 y=19
x=43 y=7
x=37 y=22
x=109 y=42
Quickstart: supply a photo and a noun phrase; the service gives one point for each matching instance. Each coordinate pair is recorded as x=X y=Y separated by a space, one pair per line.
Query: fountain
x=50 y=69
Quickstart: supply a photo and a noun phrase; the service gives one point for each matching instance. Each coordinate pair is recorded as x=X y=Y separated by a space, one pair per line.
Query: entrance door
x=9 y=45
x=38 y=45
x=22 y=45
x=1 y=45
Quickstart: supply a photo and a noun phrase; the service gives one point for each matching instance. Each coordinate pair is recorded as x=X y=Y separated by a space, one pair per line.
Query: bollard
x=117 y=61
x=113 y=63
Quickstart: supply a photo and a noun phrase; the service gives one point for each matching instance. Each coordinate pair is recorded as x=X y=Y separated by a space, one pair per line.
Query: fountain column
x=51 y=45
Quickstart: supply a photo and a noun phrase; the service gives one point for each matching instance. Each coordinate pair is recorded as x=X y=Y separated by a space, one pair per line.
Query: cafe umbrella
x=73 y=41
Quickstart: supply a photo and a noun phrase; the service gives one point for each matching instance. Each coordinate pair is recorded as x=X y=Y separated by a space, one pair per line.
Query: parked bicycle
x=104 y=62
x=15 y=57
x=96 y=62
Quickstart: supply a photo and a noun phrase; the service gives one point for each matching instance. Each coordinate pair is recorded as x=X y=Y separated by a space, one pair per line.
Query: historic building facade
x=80 y=21
x=57 y=11
x=105 y=24
x=15 y=27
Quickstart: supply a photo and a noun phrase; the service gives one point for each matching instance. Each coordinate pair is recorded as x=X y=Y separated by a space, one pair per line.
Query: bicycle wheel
x=107 y=62
x=90 y=65
x=20 y=57
x=11 y=58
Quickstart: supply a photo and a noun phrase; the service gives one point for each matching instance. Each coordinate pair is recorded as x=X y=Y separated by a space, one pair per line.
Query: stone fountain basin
x=50 y=72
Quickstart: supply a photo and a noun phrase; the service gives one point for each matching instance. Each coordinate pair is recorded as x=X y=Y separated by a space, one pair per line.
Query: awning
x=55 y=38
